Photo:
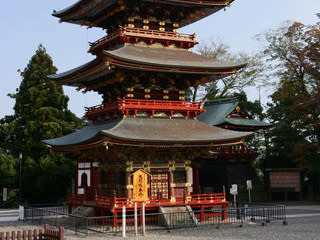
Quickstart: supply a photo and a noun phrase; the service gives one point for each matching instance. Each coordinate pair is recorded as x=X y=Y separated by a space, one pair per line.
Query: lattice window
x=159 y=181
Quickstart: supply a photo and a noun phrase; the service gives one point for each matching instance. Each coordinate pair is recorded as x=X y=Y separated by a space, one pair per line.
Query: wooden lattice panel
x=159 y=181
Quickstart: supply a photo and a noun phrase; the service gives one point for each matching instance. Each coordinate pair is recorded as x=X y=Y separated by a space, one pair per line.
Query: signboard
x=5 y=194
x=140 y=186
x=234 y=189
x=249 y=184
x=285 y=180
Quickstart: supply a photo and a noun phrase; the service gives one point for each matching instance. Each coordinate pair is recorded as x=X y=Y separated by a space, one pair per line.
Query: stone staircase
x=173 y=217
x=83 y=211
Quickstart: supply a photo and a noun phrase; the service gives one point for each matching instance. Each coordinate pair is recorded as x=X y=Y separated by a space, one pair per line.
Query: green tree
x=245 y=77
x=40 y=109
x=8 y=164
x=40 y=112
x=51 y=178
x=293 y=58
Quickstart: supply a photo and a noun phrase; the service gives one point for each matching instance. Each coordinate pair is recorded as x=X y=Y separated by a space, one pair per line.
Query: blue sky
x=26 y=24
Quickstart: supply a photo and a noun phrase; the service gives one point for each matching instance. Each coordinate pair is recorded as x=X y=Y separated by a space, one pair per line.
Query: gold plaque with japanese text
x=140 y=186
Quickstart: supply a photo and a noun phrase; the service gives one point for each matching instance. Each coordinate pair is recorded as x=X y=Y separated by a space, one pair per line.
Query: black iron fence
x=36 y=212
x=158 y=221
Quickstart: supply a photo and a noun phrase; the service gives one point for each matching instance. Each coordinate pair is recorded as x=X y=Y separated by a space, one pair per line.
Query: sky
x=26 y=24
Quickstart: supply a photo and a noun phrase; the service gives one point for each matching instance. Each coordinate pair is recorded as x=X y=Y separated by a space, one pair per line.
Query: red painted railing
x=112 y=35
x=106 y=107
x=160 y=104
x=210 y=198
x=158 y=34
x=134 y=106
x=138 y=33
x=215 y=197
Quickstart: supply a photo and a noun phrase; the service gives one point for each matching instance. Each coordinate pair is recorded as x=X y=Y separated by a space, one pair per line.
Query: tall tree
x=245 y=77
x=40 y=112
x=293 y=57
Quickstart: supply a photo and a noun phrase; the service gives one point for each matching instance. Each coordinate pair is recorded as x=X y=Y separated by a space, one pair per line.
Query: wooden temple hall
x=144 y=142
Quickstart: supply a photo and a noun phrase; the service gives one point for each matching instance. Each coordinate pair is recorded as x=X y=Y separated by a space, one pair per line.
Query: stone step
x=83 y=211
x=184 y=216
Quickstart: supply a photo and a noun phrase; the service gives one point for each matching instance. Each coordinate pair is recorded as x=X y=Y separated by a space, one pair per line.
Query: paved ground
x=303 y=223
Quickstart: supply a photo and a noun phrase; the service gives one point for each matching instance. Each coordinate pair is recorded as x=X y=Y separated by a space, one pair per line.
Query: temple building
x=144 y=141
x=234 y=165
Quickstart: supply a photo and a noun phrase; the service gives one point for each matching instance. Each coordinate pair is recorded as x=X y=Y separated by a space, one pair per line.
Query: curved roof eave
x=82 y=135
x=150 y=131
x=247 y=122
x=77 y=70
x=73 y=14
x=164 y=57
x=73 y=7
x=173 y=60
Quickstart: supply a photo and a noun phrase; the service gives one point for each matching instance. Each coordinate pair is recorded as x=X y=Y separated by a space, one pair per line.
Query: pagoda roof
x=149 y=132
x=218 y=112
x=97 y=12
x=158 y=59
x=168 y=57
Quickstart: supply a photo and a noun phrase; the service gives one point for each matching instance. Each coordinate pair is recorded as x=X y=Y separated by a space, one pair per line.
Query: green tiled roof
x=218 y=110
x=247 y=122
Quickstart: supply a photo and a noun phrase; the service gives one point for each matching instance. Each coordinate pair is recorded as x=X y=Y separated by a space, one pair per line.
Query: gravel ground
x=299 y=227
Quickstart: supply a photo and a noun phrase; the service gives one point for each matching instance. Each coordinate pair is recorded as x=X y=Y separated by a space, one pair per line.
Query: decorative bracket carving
x=146 y=166
x=187 y=164
x=129 y=166
x=172 y=166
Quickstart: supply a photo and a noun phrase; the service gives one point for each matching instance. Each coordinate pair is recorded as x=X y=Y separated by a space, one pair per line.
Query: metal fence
x=36 y=212
x=158 y=221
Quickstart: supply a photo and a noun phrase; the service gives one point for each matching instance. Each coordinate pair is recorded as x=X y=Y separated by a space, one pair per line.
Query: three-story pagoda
x=144 y=139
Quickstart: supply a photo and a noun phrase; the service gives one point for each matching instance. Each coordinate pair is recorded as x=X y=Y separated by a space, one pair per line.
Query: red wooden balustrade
x=210 y=198
x=158 y=34
x=34 y=234
x=127 y=33
x=135 y=106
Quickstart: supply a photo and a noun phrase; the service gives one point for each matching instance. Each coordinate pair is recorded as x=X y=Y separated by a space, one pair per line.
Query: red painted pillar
x=69 y=209
x=115 y=222
x=224 y=212
x=202 y=213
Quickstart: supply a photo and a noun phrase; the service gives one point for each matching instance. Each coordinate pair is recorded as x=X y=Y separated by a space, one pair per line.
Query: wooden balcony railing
x=196 y=199
x=151 y=107
x=156 y=34
x=210 y=197
x=127 y=33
